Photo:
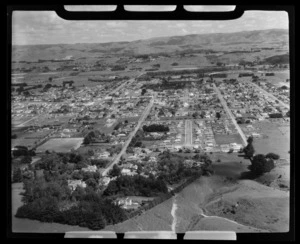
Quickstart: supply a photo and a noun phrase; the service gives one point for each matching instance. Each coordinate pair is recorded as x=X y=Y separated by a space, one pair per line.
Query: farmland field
x=60 y=144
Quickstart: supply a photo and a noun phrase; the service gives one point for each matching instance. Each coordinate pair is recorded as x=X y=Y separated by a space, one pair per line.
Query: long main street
x=224 y=104
x=131 y=135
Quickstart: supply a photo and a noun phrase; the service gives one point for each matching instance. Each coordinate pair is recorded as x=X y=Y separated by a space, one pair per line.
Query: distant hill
x=223 y=41
x=277 y=59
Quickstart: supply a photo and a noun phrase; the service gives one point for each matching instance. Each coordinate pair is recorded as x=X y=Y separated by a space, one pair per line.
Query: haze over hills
x=216 y=41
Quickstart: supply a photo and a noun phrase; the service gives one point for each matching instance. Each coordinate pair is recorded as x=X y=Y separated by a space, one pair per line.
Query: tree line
x=156 y=128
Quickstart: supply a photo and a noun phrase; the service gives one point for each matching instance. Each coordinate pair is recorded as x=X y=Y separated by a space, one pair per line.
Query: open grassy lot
x=101 y=126
x=228 y=158
x=279 y=79
x=60 y=144
x=37 y=134
x=276 y=138
x=21 y=119
x=23 y=142
x=49 y=120
x=226 y=139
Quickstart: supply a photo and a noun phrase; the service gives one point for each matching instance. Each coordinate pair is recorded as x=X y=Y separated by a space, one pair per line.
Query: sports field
x=60 y=144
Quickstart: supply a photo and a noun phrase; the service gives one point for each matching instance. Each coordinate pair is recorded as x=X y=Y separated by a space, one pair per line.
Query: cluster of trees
x=242 y=121
x=249 y=149
x=48 y=198
x=47 y=86
x=198 y=114
x=136 y=141
x=260 y=163
x=86 y=175
x=118 y=67
x=273 y=156
x=284 y=88
x=246 y=74
x=151 y=69
x=136 y=185
x=142 y=56
x=62 y=163
x=115 y=171
x=54 y=202
x=244 y=63
x=115 y=149
x=95 y=136
x=288 y=113
x=276 y=115
x=172 y=170
x=26 y=159
x=17 y=175
x=22 y=151
x=117 y=126
x=179 y=72
x=143 y=91
x=100 y=163
x=167 y=85
x=156 y=128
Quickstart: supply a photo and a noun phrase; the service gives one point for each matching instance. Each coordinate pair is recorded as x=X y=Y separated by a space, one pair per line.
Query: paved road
x=269 y=95
x=188 y=133
x=132 y=134
x=223 y=102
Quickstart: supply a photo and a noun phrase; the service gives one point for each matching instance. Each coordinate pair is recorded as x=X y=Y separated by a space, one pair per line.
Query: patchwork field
x=60 y=144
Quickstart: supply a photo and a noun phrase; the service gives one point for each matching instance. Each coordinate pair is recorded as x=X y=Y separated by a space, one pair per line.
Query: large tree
x=116 y=171
x=273 y=156
x=260 y=164
x=17 y=175
x=249 y=149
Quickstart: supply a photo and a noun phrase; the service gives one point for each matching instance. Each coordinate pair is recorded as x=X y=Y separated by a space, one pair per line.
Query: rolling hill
x=217 y=42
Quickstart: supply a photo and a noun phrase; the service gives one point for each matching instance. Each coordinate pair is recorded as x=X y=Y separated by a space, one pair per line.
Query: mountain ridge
x=152 y=45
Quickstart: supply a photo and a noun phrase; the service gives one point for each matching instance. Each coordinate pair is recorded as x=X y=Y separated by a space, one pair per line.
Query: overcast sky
x=45 y=27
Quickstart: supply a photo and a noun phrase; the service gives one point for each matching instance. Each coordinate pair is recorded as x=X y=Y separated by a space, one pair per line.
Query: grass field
x=276 y=138
x=23 y=142
x=226 y=139
x=60 y=144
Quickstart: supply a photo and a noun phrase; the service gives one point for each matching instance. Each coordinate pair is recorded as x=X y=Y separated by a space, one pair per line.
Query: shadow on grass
x=243 y=156
x=248 y=175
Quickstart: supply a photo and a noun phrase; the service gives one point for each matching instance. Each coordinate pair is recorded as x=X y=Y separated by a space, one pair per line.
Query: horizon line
x=146 y=39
